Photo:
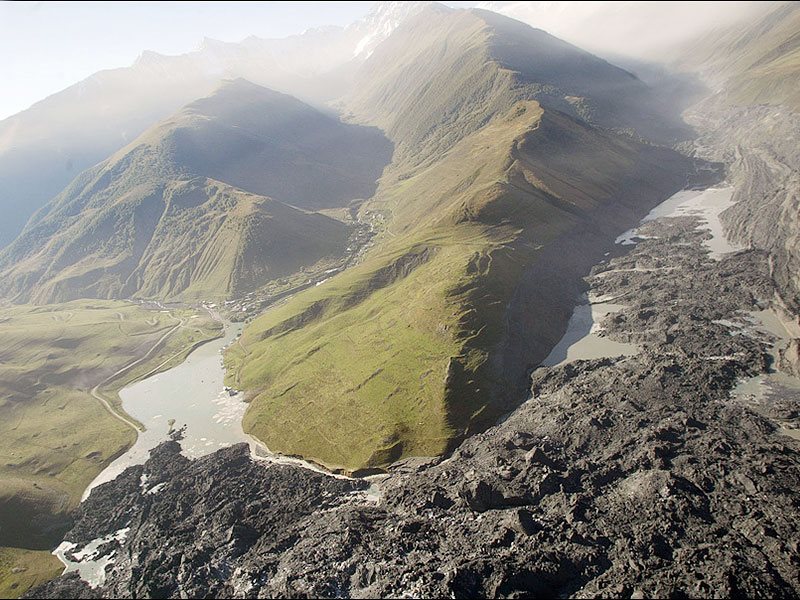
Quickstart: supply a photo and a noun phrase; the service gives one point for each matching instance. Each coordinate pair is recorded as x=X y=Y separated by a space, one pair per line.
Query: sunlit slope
x=757 y=62
x=443 y=74
x=401 y=355
x=22 y=569
x=54 y=436
x=190 y=239
x=183 y=212
x=415 y=347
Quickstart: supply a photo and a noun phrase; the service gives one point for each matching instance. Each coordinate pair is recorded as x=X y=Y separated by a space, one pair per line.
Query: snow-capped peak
x=381 y=22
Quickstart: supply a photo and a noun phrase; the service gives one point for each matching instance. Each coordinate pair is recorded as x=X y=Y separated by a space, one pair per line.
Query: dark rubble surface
x=628 y=477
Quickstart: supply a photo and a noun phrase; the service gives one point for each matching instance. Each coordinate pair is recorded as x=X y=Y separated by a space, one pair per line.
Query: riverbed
x=706 y=204
x=583 y=339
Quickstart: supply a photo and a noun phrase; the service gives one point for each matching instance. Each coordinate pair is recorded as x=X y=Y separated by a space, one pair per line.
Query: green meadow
x=55 y=436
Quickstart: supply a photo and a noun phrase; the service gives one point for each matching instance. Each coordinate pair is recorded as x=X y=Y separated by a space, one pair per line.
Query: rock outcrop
x=640 y=476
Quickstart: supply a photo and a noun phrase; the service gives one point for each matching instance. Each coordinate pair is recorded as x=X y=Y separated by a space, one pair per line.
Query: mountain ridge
x=486 y=187
x=210 y=167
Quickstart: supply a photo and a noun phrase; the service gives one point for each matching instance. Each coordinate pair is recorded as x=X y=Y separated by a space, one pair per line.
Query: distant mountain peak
x=382 y=20
x=149 y=58
x=240 y=83
x=208 y=44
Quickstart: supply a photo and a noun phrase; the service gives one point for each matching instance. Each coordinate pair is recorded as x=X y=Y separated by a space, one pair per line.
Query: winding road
x=95 y=392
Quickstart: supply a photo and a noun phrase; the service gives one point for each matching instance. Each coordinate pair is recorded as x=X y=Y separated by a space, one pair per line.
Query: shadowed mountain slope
x=493 y=208
x=183 y=210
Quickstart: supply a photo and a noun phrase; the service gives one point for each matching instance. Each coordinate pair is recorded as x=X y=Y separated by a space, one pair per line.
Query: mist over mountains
x=45 y=147
x=199 y=204
x=390 y=227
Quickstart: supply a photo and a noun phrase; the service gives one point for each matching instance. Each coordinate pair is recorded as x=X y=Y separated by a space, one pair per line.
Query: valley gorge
x=404 y=267
x=622 y=476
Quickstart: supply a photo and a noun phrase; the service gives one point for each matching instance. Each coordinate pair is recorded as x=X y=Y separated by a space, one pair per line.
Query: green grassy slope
x=352 y=373
x=409 y=351
x=756 y=62
x=22 y=569
x=399 y=355
x=54 y=436
x=168 y=216
x=196 y=238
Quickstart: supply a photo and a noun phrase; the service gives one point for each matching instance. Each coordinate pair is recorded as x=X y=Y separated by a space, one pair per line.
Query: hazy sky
x=48 y=46
x=632 y=28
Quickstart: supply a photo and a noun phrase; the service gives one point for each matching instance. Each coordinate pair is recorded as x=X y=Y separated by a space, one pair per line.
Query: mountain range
x=492 y=161
x=44 y=147
x=504 y=147
x=210 y=203
x=490 y=177
x=406 y=212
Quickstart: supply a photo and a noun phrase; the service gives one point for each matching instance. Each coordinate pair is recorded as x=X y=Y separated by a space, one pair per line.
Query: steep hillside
x=183 y=212
x=756 y=62
x=487 y=232
x=752 y=122
x=444 y=73
x=43 y=148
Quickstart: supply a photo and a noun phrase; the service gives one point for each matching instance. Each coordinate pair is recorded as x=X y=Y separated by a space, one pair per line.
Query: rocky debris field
x=629 y=477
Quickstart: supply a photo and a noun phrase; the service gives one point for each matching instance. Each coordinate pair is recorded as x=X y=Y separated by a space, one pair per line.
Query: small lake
x=193 y=395
x=583 y=339
x=758 y=390
x=706 y=204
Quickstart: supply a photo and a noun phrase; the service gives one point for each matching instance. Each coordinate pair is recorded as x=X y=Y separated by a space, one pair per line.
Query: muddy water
x=583 y=339
x=707 y=205
x=191 y=395
x=758 y=391
x=90 y=561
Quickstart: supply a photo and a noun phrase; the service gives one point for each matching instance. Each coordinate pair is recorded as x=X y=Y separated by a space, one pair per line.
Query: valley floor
x=61 y=422
x=636 y=476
